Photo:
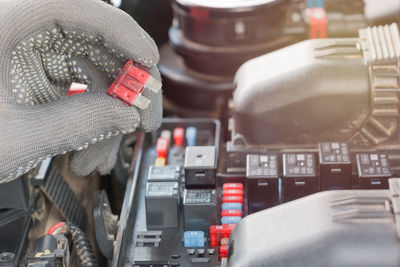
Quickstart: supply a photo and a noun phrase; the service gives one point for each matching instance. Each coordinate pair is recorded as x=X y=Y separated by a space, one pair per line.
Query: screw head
x=7 y=257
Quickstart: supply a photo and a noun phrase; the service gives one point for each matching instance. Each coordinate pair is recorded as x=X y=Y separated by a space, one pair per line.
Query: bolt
x=7 y=257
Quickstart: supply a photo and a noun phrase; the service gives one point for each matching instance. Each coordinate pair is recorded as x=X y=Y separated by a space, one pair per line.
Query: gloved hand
x=46 y=44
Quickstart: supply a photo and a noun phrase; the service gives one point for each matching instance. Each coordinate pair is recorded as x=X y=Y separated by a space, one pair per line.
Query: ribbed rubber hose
x=82 y=246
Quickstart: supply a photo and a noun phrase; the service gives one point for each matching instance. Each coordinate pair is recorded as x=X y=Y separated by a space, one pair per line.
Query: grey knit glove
x=44 y=46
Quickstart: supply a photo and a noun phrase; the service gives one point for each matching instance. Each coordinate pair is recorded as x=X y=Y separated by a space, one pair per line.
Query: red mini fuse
x=223 y=251
x=214 y=232
x=77 y=88
x=217 y=232
x=232 y=192
x=229 y=213
x=233 y=186
x=162 y=147
x=227 y=199
x=179 y=136
x=130 y=83
x=143 y=76
x=318 y=22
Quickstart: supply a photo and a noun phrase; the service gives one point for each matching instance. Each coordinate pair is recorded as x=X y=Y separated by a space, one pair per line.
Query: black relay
x=299 y=175
x=200 y=166
x=162 y=205
x=262 y=182
x=334 y=166
x=199 y=209
x=373 y=171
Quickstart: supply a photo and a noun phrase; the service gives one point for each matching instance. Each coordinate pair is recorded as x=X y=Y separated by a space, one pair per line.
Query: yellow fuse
x=160 y=161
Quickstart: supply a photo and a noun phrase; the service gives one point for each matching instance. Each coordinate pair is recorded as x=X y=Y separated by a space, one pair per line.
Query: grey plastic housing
x=332 y=228
x=200 y=166
x=308 y=92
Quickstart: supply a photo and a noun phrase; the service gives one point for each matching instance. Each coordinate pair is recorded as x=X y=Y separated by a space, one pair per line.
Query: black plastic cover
x=312 y=91
x=333 y=228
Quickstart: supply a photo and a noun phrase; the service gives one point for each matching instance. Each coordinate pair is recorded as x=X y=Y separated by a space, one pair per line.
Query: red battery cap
x=179 y=136
x=162 y=147
x=229 y=213
x=232 y=186
x=232 y=192
x=227 y=199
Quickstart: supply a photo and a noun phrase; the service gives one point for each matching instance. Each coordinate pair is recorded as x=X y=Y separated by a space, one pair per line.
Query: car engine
x=279 y=146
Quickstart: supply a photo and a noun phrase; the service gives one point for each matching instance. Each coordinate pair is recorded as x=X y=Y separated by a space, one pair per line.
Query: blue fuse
x=193 y=239
x=191 y=136
x=230 y=220
x=315 y=3
x=232 y=206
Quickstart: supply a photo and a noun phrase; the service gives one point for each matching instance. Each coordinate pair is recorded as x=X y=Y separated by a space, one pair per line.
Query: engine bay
x=279 y=146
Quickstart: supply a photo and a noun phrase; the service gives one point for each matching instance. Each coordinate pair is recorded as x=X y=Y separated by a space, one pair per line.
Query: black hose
x=82 y=245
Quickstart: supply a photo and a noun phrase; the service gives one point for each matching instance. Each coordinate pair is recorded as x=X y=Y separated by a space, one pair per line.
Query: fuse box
x=276 y=154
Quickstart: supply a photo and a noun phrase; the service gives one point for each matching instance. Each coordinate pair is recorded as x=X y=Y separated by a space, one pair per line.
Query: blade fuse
x=217 y=232
x=130 y=83
x=229 y=213
x=232 y=206
x=228 y=186
x=230 y=220
x=162 y=147
x=223 y=251
x=227 y=199
x=232 y=192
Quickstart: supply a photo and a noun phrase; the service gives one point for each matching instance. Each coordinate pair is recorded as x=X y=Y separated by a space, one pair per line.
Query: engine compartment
x=279 y=147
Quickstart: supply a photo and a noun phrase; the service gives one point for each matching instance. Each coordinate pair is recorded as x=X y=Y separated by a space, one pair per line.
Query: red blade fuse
x=130 y=84
x=228 y=186
x=227 y=199
x=179 y=136
x=318 y=22
x=162 y=147
x=232 y=192
x=223 y=251
x=230 y=213
x=77 y=88
x=218 y=232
